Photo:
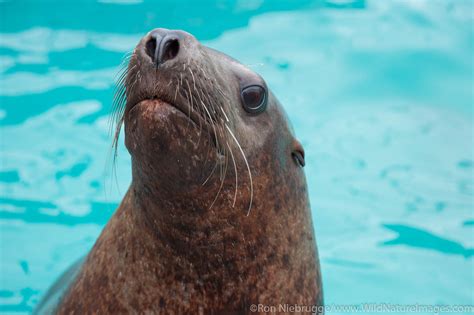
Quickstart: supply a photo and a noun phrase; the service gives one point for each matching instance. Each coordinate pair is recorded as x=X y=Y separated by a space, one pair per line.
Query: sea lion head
x=203 y=128
x=217 y=177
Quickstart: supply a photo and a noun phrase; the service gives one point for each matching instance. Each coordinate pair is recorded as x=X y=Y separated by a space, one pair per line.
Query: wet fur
x=217 y=216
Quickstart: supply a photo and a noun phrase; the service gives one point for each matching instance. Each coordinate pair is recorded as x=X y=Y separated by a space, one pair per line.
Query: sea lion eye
x=254 y=99
x=298 y=156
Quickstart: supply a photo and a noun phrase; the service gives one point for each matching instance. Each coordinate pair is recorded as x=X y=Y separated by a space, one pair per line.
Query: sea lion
x=217 y=218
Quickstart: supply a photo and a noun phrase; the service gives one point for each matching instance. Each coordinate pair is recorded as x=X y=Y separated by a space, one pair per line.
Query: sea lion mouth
x=195 y=119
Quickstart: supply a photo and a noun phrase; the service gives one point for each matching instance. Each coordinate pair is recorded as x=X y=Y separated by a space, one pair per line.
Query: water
x=380 y=94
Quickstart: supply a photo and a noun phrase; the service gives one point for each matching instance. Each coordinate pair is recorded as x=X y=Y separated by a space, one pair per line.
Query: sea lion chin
x=217 y=216
x=165 y=143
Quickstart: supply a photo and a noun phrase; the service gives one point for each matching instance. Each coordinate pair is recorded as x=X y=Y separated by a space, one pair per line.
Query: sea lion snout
x=162 y=45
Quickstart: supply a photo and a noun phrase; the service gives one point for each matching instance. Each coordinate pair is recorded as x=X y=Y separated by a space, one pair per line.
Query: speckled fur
x=165 y=251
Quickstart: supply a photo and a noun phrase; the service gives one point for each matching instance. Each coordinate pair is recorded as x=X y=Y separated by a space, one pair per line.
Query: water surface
x=380 y=93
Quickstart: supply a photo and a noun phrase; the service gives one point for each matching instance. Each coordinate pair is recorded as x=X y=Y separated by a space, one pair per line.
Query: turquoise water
x=379 y=92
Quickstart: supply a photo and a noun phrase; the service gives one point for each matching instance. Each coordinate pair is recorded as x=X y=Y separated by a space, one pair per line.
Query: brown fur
x=166 y=250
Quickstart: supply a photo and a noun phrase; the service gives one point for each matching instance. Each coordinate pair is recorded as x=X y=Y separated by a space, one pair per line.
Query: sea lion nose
x=162 y=47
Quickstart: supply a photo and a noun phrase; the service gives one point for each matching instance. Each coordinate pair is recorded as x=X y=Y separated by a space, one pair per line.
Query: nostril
x=169 y=50
x=162 y=48
x=151 y=48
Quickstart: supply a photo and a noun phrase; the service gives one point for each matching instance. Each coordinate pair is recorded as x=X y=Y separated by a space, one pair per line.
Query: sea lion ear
x=298 y=154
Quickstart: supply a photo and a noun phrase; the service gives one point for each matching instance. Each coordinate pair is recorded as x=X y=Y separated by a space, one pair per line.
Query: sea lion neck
x=215 y=246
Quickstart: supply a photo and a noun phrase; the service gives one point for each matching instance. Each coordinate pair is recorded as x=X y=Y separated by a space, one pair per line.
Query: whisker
x=220 y=189
x=235 y=171
x=190 y=101
x=248 y=167
x=226 y=118
x=208 y=177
